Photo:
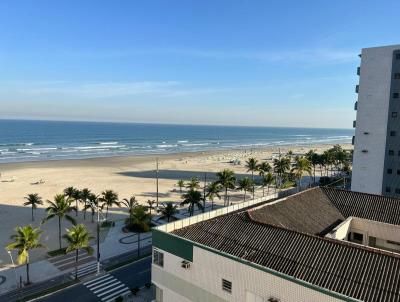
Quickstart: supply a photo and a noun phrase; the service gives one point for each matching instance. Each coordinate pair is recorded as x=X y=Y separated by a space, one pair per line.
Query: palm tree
x=168 y=211
x=314 y=160
x=33 y=200
x=290 y=154
x=264 y=168
x=328 y=161
x=73 y=194
x=281 y=167
x=251 y=165
x=141 y=218
x=150 y=205
x=78 y=238
x=181 y=184
x=301 y=166
x=227 y=180
x=267 y=179
x=60 y=208
x=245 y=184
x=25 y=239
x=92 y=204
x=84 y=196
x=192 y=198
x=130 y=203
x=322 y=162
x=109 y=198
x=193 y=183
x=212 y=190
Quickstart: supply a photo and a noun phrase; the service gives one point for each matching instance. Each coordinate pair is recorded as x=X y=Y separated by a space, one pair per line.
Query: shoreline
x=141 y=158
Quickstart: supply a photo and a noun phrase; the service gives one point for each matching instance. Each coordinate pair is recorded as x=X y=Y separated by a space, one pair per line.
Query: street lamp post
x=98 y=233
x=15 y=272
x=157 y=180
x=98 y=239
x=204 y=191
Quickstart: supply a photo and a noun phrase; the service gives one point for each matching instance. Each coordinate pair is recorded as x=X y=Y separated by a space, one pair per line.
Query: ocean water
x=48 y=140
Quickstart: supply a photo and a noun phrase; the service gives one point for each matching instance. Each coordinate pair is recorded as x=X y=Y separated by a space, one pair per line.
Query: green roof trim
x=173 y=244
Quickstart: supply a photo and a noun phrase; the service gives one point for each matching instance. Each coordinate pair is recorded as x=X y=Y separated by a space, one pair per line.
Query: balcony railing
x=354 y=124
x=357 y=88
x=358 y=70
x=355 y=105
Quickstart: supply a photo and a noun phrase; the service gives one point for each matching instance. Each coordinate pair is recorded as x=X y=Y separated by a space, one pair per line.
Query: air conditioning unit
x=272 y=299
x=185 y=264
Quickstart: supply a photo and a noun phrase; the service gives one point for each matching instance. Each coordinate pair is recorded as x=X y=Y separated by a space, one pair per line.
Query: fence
x=169 y=227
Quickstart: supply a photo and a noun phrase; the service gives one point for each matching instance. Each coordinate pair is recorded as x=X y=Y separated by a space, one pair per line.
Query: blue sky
x=267 y=63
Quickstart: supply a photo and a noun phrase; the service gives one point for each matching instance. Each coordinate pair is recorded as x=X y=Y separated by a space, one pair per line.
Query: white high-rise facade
x=376 y=162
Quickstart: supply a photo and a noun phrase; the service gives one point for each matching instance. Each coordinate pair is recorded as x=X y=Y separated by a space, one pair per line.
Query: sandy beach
x=130 y=175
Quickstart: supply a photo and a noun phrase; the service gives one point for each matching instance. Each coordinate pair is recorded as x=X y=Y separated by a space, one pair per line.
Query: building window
x=388 y=189
x=391 y=152
x=397 y=190
x=389 y=171
x=394 y=114
x=372 y=241
x=398 y=153
x=358 y=237
x=227 y=286
x=398 y=172
x=397 y=76
x=397 y=56
x=393 y=242
x=395 y=95
x=392 y=133
x=158 y=258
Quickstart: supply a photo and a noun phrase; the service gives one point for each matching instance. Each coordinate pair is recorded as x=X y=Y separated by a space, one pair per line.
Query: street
x=106 y=287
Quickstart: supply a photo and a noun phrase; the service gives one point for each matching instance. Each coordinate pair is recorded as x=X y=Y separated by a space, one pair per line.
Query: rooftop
x=286 y=236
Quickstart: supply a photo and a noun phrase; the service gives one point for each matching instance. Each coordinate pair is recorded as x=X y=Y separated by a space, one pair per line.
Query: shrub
x=148 y=285
x=57 y=252
x=288 y=184
x=135 y=290
x=107 y=224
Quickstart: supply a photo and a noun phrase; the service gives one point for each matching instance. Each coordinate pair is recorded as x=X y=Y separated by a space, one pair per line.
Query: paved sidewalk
x=117 y=242
x=39 y=271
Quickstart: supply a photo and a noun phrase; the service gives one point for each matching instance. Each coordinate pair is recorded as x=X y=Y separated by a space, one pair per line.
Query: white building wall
x=372 y=116
x=206 y=273
x=381 y=231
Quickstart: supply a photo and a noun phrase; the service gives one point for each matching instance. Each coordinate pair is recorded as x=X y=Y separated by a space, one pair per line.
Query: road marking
x=107 y=282
x=97 y=279
x=102 y=292
x=107 y=287
x=85 y=270
x=65 y=262
x=65 y=257
x=60 y=266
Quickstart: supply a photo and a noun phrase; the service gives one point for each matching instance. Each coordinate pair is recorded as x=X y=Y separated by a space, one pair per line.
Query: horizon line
x=166 y=124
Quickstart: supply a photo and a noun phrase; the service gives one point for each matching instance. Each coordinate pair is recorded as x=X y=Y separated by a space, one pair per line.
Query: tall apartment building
x=376 y=163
